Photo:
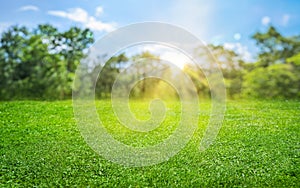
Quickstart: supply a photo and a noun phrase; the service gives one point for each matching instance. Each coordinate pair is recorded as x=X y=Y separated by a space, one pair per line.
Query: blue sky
x=229 y=22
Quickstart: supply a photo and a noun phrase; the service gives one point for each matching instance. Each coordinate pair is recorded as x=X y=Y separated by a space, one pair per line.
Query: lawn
x=257 y=146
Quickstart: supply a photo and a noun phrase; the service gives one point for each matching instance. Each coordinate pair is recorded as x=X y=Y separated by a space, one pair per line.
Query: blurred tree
x=145 y=62
x=40 y=63
x=294 y=60
x=275 y=48
x=274 y=81
x=231 y=65
x=198 y=78
x=276 y=73
x=108 y=74
x=13 y=41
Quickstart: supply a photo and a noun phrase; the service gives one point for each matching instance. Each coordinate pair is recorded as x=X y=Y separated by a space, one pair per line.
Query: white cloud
x=75 y=14
x=229 y=46
x=81 y=16
x=29 y=8
x=241 y=50
x=237 y=36
x=99 y=10
x=285 y=19
x=98 y=25
x=265 y=20
x=168 y=54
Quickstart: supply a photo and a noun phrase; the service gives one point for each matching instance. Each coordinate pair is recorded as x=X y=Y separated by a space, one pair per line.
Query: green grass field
x=257 y=146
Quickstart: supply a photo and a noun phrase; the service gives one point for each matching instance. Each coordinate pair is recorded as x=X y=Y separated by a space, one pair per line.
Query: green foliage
x=295 y=60
x=258 y=146
x=277 y=72
x=40 y=63
x=275 y=48
x=108 y=74
x=231 y=65
x=199 y=80
x=275 y=81
x=148 y=88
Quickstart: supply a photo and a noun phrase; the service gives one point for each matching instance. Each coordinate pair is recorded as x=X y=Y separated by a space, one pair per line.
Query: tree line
x=40 y=64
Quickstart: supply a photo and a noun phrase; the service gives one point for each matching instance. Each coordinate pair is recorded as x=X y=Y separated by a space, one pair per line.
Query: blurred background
x=257 y=44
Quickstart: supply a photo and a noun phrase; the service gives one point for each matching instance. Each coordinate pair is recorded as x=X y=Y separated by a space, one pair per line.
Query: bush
x=275 y=81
